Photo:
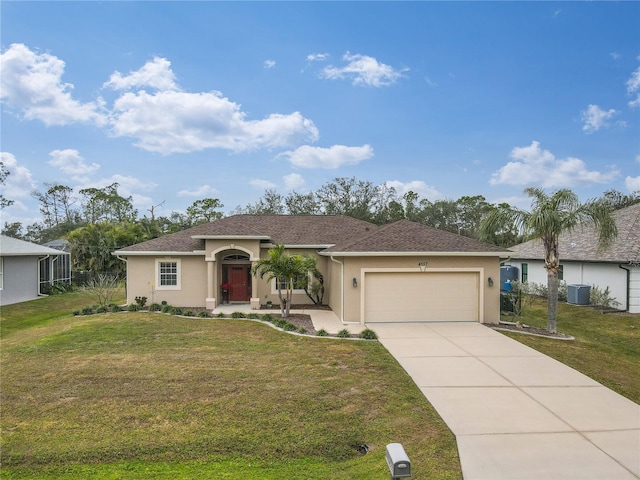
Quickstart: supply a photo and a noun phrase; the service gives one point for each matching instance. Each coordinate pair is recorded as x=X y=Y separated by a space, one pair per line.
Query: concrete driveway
x=516 y=413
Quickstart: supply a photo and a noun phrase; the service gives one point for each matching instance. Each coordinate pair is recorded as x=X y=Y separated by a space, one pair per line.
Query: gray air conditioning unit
x=578 y=294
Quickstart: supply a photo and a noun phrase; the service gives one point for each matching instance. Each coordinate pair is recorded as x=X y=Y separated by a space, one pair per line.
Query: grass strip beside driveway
x=606 y=346
x=128 y=393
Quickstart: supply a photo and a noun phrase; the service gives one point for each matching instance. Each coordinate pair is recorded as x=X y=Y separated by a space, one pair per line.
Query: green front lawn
x=139 y=395
x=606 y=347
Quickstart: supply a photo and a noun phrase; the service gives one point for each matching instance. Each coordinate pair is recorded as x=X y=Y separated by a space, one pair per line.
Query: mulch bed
x=527 y=329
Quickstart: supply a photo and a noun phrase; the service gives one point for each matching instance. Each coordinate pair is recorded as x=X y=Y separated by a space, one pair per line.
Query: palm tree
x=550 y=216
x=284 y=267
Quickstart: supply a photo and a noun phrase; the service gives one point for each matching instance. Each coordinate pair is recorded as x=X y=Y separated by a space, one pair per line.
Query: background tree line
x=98 y=221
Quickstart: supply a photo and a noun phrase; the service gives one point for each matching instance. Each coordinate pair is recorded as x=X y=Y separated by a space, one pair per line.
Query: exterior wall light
x=490 y=281
x=355 y=282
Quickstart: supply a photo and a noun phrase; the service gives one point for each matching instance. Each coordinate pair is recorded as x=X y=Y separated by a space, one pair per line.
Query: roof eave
x=422 y=253
x=156 y=253
x=230 y=237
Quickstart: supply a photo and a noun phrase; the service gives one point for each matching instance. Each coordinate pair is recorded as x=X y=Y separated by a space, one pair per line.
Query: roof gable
x=582 y=243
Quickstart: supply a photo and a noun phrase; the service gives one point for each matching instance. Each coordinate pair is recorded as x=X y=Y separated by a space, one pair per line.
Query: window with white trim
x=168 y=274
x=298 y=284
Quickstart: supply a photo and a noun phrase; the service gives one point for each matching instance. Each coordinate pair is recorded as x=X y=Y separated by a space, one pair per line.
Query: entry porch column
x=211 y=282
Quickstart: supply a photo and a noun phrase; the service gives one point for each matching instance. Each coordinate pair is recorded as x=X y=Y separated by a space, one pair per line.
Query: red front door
x=238 y=283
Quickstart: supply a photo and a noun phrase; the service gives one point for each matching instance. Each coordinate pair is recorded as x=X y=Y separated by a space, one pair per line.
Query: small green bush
x=155 y=307
x=253 y=316
x=188 y=313
x=165 y=308
x=115 y=308
x=344 y=333
x=76 y=313
x=238 y=315
x=302 y=330
x=203 y=314
x=368 y=334
x=220 y=315
x=133 y=307
x=175 y=311
x=322 y=333
x=87 y=311
x=164 y=302
x=267 y=317
x=289 y=327
x=102 y=309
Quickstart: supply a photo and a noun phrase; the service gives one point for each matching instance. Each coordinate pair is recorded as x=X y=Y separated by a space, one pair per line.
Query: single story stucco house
x=616 y=267
x=28 y=270
x=403 y=271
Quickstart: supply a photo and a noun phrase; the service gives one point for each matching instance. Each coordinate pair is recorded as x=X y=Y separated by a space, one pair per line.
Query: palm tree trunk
x=552 y=301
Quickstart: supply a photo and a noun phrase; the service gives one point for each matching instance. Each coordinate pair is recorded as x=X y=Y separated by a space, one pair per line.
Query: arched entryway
x=236 y=278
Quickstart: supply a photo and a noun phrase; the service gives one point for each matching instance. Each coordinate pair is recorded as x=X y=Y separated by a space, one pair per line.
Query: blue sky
x=178 y=101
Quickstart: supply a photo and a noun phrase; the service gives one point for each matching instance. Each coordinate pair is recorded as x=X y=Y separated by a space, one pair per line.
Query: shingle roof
x=582 y=244
x=12 y=247
x=318 y=230
x=405 y=236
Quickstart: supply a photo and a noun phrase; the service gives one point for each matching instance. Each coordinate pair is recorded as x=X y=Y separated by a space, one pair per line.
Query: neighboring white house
x=28 y=270
x=581 y=263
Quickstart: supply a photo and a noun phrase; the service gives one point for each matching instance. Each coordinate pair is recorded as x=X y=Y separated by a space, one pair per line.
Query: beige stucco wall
x=490 y=267
x=142 y=281
x=265 y=292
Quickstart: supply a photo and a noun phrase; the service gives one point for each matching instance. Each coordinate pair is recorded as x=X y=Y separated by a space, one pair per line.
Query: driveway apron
x=516 y=413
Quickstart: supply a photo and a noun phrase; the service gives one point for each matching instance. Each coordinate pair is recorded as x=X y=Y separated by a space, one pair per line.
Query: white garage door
x=421 y=296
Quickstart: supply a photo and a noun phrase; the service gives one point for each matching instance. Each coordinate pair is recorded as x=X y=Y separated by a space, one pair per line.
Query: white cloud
x=633 y=88
x=200 y=192
x=31 y=83
x=416 y=186
x=19 y=183
x=363 y=70
x=293 y=181
x=317 y=57
x=632 y=183
x=336 y=156
x=170 y=121
x=616 y=55
x=268 y=64
x=595 y=118
x=262 y=184
x=71 y=162
x=156 y=74
x=532 y=166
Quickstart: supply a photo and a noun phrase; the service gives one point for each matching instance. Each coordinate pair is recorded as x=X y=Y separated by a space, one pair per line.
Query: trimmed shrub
x=133 y=307
x=203 y=314
x=102 y=309
x=87 y=311
x=302 y=330
x=322 y=333
x=188 y=313
x=253 y=316
x=238 y=315
x=220 y=315
x=289 y=327
x=165 y=308
x=115 y=308
x=175 y=311
x=267 y=317
x=155 y=307
x=344 y=333
x=76 y=313
x=368 y=334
